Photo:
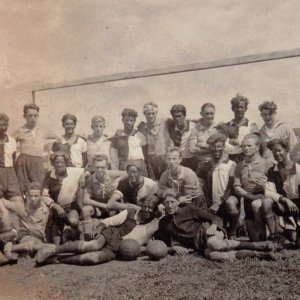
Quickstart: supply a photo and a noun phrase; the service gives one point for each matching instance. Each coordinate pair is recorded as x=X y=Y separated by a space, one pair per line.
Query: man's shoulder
x=188 y=172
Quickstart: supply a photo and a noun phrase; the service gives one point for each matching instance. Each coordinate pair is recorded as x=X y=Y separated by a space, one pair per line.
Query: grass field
x=190 y=277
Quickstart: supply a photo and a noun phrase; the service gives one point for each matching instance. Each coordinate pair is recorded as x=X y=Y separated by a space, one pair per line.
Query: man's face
x=239 y=110
x=98 y=128
x=100 y=168
x=128 y=122
x=173 y=160
x=134 y=175
x=249 y=147
x=150 y=116
x=69 y=126
x=147 y=209
x=208 y=115
x=279 y=153
x=59 y=164
x=216 y=149
x=268 y=116
x=171 y=205
x=178 y=118
x=31 y=117
x=34 y=197
x=3 y=126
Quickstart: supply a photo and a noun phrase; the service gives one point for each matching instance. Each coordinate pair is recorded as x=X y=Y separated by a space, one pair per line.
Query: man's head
x=4 y=123
x=239 y=105
x=250 y=145
x=268 y=112
x=100 y=164
x=31 y=114
x=173 y=158
x=178 y=113
x=150 y=111
x=98 y=125
x=208 y=112
x=148 y=207
x=128 y=118
x=35 y=193
x=59 y=161
x=171 y=201
x=69 y=123
x=216 y=144
x=134 y=173
x=279 y=148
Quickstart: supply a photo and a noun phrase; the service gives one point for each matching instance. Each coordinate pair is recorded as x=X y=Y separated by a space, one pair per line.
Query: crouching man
x=129 y=224
x=194 y=229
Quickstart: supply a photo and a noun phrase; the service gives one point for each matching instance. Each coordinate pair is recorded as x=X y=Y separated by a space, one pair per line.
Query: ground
x=191 y=277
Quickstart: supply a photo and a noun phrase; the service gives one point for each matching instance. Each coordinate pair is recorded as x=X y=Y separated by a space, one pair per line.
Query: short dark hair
x=178 y=108
x=132 y=165
x=237 y=99
x=100 y=157
x=69 y=116
x=282 y=142
x=4 y=117
x=215 y=138
x=57 y=154
x=30 y=106
x=151 y=197
x=35 y=186
x=269 y=106
x=129 y=113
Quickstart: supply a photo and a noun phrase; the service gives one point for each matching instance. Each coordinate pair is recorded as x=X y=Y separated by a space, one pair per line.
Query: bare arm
x=114 y=204
x=88 y=201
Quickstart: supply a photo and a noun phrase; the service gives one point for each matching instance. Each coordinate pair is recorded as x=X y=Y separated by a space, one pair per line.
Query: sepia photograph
x=149 y=150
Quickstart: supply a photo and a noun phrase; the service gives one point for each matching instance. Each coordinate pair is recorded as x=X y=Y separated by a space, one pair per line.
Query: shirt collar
x=95 y=180
x=26 y=129
x=52 y=173
x=256 y=161
x=120 y=132
x=178 y=211
x=223 y=160
x=187 y=128
x=201 y=126
x=180 y=175
x=6 y=139
x=293 y=170
x=245 y=123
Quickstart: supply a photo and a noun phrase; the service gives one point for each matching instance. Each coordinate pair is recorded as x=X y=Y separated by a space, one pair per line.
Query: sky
x=53 y=41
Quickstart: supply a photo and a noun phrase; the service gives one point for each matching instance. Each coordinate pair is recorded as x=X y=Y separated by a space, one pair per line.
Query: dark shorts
x=22 y=232
x=201 y=238
x=29 y=169
x=113 y=238
x=249 y=213
x=9 y=185
x=200 y=202
x=156 y=165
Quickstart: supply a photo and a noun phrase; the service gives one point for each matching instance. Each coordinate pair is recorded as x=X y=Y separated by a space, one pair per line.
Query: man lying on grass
x=194 y=229
x=129 y=224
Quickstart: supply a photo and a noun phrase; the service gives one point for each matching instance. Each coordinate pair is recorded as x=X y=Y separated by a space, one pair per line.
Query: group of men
x=189 y=183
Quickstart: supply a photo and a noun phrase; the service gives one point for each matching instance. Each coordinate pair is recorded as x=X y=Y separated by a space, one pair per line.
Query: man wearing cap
x=158 y=140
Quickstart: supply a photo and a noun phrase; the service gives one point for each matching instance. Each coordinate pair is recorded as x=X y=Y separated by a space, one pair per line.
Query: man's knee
x=256 y=205
x=267 y=206
x=231 y=204
x=87 y=211
x=73 y=219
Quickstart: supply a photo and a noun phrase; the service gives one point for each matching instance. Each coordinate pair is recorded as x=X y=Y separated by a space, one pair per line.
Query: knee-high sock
x=233 y=222
x=87 y=226
x=72 y=247
x=242 y=254
x=85 y=259
x=271 y=223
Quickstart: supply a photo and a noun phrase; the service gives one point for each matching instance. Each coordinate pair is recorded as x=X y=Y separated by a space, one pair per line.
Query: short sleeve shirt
x=252 y=176
x=132 y=194
x=101 y=146
x=186 y=184
x=129 y=146
x=158 y=138
x=98 y=191
x=32 y=141
x=7 y=152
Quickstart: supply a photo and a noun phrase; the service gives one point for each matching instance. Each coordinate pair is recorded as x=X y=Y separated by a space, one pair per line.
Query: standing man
x=158 y=140
x=249 y=182
x=180 y=131
x=128 y=145
x=32 y=138
x=237 y=128
x=182 y=180
x=218 y=177
x=9 y=186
